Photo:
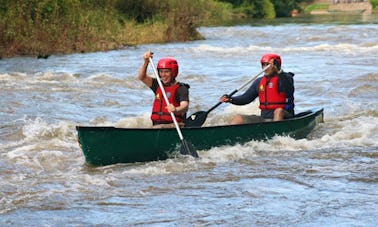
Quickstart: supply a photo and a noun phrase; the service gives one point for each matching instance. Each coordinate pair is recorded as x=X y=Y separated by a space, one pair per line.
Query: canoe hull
x=110 y=145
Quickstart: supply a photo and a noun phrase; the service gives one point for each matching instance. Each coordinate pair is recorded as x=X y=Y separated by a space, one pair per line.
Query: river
x=328 y=179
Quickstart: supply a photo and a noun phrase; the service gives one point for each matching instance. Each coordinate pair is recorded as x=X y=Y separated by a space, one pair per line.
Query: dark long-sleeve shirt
x=285 y=84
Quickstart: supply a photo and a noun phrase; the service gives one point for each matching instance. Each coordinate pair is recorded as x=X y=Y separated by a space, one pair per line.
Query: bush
x=140 y=11
x=56 y=26
x=42 y=27
x=374 y=3
x=182 y=17
x=62 y=26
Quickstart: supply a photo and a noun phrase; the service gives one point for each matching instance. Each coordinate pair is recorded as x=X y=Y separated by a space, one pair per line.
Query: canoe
x=110 y=145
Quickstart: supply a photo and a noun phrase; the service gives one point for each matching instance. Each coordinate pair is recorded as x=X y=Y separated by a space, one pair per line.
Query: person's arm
x=182 y=97
x=182 y=109
x=248 y=96
x=286 y=83
x=142 y=73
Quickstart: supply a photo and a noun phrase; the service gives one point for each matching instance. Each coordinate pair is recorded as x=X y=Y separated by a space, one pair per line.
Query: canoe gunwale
x=300 y=115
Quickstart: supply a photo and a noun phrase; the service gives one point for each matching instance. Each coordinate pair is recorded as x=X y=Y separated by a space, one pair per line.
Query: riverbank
x=42 y=28
x=339 y=7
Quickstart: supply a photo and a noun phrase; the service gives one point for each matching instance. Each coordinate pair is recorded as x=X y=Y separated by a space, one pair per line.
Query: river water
x=327 y=179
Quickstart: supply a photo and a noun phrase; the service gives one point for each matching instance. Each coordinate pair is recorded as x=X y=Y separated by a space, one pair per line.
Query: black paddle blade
x=188 y=149
x=196 y=120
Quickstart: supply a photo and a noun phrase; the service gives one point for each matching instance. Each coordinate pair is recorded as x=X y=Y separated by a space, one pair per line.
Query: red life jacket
x=160 y=114
x=269 y=96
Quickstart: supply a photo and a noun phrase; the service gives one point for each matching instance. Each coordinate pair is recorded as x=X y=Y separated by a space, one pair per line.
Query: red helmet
x=266 y=58
x=168 y=63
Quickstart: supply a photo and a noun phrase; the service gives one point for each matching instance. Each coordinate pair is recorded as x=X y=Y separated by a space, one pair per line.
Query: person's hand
x=224 y=98
x=171 y=108
x=147 y=55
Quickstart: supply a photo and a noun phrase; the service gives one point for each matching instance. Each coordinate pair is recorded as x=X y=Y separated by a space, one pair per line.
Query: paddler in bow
x=177 y=92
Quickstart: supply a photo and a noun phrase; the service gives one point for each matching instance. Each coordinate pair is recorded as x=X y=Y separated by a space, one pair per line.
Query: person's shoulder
x=181 y=84
x=287 y=74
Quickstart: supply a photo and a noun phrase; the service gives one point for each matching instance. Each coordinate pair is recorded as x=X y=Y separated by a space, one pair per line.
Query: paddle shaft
x=238 y=89
x=166 y=99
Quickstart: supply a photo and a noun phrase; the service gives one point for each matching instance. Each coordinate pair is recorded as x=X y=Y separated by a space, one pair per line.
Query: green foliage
x=248 y=7
x=266 y=8
x=235 y=3
x=317 y=6
x=283 y=8
x=141 y=11
x=61 y=26
x=197 y=11
x=30 y=27
x=45 y=26
x=374 y=3
x=256 y=9
x=184 y=16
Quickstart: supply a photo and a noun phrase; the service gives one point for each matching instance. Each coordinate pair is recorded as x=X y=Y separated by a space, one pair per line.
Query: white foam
x=359 y=132
x=94 y=180
x=142 y=121
x=38 y=129
x=102 y=78
x=241 y=50
x=55 y=77
x=149 y=170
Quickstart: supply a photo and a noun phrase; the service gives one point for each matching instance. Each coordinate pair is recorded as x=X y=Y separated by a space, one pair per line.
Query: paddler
x=275 y=91
x=177 y=92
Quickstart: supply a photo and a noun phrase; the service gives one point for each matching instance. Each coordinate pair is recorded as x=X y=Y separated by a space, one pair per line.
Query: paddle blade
x=196 y=119
x=188 y=149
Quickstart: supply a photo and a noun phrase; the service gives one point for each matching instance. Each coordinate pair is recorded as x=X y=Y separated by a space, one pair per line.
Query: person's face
x=165 y=75
x=271 y=70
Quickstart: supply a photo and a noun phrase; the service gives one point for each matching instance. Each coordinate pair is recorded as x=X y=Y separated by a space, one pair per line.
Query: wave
x=57 y=81
x=53 y=138
x=348 y=134
x=325 y=47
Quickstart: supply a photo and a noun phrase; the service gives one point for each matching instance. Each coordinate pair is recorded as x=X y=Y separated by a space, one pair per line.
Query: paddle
x=186 y=147
x=197 y=119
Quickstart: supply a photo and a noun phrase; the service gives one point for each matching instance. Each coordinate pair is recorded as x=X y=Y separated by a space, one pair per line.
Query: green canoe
x=110 y=145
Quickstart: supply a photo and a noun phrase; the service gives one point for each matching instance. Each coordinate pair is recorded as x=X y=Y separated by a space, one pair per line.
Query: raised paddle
x=186 y=147
x=197 y=119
